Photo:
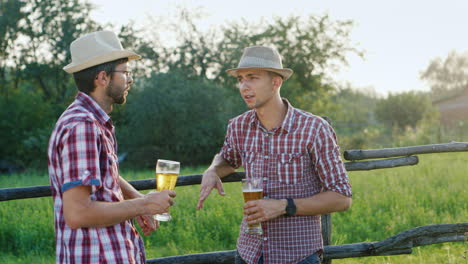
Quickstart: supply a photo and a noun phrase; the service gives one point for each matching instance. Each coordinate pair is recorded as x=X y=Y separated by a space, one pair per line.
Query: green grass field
x=385 y=202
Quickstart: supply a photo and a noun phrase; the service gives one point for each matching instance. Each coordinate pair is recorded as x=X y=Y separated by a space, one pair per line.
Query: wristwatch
x=290 y=208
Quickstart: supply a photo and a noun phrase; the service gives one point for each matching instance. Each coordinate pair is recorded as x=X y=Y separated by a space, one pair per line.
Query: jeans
x=312 y=259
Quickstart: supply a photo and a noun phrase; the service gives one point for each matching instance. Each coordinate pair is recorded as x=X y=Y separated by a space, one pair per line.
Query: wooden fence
x=401 y=243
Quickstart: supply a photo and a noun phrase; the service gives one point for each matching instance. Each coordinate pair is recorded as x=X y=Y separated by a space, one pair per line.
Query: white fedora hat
x=96 y=48
x=263 y=58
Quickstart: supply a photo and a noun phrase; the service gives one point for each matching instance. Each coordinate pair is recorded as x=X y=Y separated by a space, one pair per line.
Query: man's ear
x=102 y=79
x=277 y=81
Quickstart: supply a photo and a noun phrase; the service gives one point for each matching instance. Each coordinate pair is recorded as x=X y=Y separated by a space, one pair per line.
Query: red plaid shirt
x=298 y=159
x=83 y=151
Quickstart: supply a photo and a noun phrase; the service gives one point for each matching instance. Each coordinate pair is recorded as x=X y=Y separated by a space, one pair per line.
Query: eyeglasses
x=127 y=73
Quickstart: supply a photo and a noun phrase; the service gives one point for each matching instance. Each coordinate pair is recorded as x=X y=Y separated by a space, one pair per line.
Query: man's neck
x=102 y=101
x=272 y=114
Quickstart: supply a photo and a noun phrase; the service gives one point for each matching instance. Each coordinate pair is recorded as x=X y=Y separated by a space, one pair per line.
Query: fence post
x=326 y=218
x=326 y=233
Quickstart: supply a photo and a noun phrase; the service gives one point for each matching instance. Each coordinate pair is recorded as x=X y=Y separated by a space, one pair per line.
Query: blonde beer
x=167 y=172
x=252 y=190
x=250 y=195
x=166 y=181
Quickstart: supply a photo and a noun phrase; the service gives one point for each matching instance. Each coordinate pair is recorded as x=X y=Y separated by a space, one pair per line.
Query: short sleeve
x=229 y=151
x=80 y=157
x=329 y=167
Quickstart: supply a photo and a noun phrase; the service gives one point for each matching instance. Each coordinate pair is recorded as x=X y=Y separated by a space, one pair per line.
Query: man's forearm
x=221 y=166
x=128 y=191
x=81 y=211
x=322 y=203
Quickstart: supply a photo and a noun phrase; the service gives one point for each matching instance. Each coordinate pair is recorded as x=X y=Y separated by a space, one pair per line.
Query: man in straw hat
x=93 y=205
x=294 y=154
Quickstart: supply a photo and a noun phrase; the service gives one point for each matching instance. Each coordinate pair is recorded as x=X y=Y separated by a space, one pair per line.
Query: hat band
x=255 y=62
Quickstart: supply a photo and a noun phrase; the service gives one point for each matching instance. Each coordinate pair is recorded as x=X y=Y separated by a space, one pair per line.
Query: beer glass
x=167 y=172
x=252 y=189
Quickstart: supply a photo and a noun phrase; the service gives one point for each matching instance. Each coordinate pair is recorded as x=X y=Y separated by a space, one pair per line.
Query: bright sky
x=399 y=37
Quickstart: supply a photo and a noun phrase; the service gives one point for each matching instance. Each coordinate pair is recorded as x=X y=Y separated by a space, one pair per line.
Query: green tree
x=447 y=76
x=48 y=29
x=173 y=117
x=10 y=17
x=403 y=110
x=313 y=47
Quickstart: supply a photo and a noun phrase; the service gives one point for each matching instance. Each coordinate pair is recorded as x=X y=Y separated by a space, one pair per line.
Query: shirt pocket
x=293 y=167
x=251 y=165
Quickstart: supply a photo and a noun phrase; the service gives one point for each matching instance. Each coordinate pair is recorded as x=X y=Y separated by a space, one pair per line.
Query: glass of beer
x=252 y=189
x=167 y=172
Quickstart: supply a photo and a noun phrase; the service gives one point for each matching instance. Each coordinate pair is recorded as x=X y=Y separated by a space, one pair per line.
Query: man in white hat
x=93 y=205
x=293 y=153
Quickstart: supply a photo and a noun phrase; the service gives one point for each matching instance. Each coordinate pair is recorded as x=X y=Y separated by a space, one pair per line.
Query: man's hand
x=158 y=202
x=147 y=223
x=210 y=180
x=264 y=209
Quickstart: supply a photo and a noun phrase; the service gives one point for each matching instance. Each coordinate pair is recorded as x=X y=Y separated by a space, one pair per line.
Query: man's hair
x=84 y=79
x=274 y=74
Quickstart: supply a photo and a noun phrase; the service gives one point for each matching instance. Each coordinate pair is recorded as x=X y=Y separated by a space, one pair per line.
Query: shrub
x=175 y=117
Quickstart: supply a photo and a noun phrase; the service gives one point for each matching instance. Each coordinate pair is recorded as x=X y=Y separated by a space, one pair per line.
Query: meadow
x=385 y=202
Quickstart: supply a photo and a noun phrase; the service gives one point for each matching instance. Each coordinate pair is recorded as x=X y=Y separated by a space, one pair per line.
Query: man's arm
x=80 y=211
x=128 y=191
x=321 y=203
x=218 y=169
x=147 y=222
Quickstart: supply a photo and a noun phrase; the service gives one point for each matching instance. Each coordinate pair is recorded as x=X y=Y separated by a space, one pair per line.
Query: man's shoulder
x=309 y=118
x=243 y=119
x=75 y=114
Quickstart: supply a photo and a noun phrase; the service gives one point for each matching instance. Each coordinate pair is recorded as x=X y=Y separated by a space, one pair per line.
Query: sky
x=399 y=38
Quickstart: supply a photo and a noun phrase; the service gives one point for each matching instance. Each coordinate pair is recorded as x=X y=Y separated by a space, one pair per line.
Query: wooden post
x=326 y=219
x=326 y=233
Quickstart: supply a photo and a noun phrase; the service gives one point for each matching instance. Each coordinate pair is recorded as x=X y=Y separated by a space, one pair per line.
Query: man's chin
x=121 y=100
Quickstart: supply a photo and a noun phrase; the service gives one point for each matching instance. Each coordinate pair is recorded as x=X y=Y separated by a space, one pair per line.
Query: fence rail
x=401 y=243
x=7 y=194
x=405 y=151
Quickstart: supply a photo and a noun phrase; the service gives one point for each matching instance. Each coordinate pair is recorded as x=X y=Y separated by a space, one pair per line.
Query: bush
x=26 y=121
x=174 y=117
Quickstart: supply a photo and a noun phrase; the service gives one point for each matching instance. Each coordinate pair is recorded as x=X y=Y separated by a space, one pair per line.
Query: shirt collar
x=286 y=126
x=89 y=104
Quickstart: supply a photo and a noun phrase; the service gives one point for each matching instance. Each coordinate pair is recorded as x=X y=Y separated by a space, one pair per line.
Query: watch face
x=290 y=208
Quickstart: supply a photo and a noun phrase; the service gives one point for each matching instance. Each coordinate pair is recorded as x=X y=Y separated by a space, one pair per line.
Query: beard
x=116 y=92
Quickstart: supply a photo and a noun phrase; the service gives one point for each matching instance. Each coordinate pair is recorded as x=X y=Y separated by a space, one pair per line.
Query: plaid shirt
x=298 y=159
x=83 y=151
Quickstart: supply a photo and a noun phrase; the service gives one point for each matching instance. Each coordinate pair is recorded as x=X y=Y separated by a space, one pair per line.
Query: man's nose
x=244 y=85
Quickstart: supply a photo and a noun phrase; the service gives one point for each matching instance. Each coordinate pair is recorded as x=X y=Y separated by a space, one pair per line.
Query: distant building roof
x=449 y=95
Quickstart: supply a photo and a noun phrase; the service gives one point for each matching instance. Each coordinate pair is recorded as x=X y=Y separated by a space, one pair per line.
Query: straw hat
x=263 y=58
x=96 y=48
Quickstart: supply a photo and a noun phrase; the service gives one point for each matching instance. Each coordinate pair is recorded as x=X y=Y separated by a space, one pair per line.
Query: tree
x=354 y=109
x=173 y=117
x=447 y=76
x=313 y=47
x=48 y=29
x=10 y=16
x=403 y=110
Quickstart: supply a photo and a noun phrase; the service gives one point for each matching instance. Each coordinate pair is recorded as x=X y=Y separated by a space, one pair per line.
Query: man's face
x=256 y=87
x=119 y=84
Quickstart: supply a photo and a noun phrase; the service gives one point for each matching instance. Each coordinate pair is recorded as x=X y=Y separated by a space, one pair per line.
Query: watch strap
x=290 y=208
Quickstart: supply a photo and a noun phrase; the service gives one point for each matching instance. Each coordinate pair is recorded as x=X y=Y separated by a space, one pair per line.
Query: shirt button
x=265 y=238
x=266 y=157
x=265 y=178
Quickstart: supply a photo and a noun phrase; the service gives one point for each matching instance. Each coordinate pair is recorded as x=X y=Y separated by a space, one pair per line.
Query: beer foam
x=253 y=190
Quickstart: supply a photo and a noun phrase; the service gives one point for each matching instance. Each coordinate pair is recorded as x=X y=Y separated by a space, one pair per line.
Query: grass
x=385 y=202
